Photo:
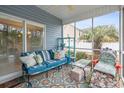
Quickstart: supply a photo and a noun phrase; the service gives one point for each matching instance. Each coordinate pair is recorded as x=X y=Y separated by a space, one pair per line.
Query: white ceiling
x=70 y=13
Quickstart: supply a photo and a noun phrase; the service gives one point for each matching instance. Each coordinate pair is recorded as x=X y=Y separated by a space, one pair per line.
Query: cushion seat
x=52 y=63
x=36 y=69
x=105 y=68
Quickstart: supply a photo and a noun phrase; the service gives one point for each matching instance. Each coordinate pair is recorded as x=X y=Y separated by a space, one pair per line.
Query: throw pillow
x=38 y=59
x=57 y=55
x=46 y=55
x=62 y=53
x=32 y=54
x=28 y=60
x=52 y=52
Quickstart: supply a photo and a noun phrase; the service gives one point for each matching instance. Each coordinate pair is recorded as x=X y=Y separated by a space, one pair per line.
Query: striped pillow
x=53 y=50
x=45 y=55
x=52 y=53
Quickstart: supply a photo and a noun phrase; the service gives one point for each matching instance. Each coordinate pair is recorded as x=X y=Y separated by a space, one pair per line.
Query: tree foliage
x=103 y=33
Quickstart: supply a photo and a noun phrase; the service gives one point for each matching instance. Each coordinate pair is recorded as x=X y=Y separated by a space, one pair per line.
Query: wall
x=33 y=13
x=69 y=30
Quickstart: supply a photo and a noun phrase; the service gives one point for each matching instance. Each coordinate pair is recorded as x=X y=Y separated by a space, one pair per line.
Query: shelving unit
x=61 y=45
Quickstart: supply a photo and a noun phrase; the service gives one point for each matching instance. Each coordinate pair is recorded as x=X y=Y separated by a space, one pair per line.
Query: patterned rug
x=102 y=80
x=55 y=79
x=60 y=78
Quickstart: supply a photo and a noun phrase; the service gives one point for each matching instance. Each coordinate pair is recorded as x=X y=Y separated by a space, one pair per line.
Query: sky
x=109 y=19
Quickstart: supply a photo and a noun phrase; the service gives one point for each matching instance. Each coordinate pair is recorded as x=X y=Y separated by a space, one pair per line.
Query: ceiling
x=71 y=13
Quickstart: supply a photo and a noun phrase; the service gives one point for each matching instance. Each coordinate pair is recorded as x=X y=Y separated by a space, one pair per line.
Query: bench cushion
x=52 y=63
x=36 y=69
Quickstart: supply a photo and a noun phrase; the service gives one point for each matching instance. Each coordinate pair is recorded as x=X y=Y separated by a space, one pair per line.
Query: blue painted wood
x=33 y=13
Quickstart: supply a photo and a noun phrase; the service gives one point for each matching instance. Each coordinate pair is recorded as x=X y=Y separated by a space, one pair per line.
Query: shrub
x=79 y=55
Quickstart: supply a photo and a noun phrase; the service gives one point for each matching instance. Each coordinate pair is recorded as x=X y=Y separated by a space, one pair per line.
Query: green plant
x=79 y=55
x=71 y=52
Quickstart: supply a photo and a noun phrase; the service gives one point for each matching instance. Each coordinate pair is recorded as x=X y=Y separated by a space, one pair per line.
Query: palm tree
x=100 y=34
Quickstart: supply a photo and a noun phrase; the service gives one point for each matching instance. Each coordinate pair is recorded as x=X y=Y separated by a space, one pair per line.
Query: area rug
x=55 y=78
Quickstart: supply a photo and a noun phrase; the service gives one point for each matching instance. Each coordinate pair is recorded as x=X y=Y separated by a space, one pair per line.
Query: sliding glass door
x=14 y=39
x=10 y=46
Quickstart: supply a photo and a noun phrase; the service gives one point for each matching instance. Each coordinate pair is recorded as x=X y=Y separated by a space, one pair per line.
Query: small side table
x=77 y=74
x=82 y=63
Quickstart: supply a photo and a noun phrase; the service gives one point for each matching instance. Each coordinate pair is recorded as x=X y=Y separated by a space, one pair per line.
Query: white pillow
x=59 y=54
x=28 y=60
x=62 y=53
x=38 y=59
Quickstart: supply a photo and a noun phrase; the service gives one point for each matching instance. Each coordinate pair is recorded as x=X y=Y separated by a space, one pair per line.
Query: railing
x=88 y=49
x=89 y=52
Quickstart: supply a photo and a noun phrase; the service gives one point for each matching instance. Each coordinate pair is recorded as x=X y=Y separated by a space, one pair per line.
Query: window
x=34 y=37
x=10 y=38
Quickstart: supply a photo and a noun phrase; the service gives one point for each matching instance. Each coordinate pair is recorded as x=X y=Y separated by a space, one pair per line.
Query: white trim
x=122 y=34
x=122 y=52
x=92 y=36
x=74 y=39
x=10 y=76
x=88 y=49
x=44 y=37
x=35 y=23
x=19 y=19
x=122 y=78
x=24 y=38
x=10 y=17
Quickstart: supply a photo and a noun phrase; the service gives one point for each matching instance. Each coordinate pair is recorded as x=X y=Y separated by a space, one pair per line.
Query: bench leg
x=29 y=85
x=59 y=67
x=23 y=77
x=47 y=74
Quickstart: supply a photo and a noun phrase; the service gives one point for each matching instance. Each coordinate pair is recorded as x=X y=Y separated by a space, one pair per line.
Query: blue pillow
x=51 y=53
x=44 y=54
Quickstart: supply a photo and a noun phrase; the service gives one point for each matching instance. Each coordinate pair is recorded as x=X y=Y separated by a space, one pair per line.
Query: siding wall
x=33 y=13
